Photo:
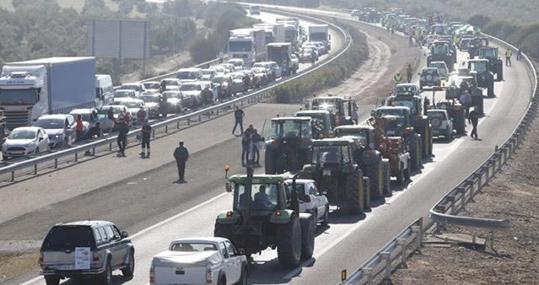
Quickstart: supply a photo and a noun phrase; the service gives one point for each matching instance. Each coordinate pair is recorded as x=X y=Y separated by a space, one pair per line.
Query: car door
x=42 y=143
x=235 y=263
x=319 y=204
x=227 y=265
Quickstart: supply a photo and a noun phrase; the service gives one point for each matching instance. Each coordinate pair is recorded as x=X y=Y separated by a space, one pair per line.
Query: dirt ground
x=13 y=265
x=513 y=194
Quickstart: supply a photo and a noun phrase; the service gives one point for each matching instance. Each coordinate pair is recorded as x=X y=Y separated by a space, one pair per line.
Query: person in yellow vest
x=508 y=54
x=397 y=78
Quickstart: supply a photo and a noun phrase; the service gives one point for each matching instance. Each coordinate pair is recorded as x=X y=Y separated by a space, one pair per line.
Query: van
x=103 y=89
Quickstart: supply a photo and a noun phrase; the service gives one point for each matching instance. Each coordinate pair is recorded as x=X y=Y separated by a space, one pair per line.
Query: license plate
x=64 y=267
x=326 y=172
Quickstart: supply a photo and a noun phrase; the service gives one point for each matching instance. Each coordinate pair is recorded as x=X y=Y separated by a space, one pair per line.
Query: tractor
x=440 y=51
x=457 y=114
x=475 y=45
x=465 y=81
x=368 y=157
x=334 y=169
x=265 y=214
x=322 y=125
x=288 y=146
x=484 y=77
x=419 y=121
x=341 y=109
x=495 y=64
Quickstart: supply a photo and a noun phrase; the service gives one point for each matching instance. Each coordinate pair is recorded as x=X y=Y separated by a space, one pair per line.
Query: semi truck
x=281 y=54
x=247 y=44
x=320 y=33
x=29 y=89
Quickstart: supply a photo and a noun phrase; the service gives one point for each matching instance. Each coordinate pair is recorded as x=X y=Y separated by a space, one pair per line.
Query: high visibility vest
x=397 y=78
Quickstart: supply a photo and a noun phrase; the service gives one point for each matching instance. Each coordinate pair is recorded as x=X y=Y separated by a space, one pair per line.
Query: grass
x=74 y=4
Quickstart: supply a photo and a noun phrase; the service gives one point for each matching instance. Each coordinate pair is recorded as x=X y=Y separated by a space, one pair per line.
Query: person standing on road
x=146 y=135
x=255 y=153
x=123 y=129
x=141 y=115
x=519 y=54
x=246 y=144
x=163 y=106
x=238 y=117
x=508 y=54
x=466 y=101
x=409 y=72
x=79 y=127
x=397 y=78
x=473 y=118
x=181 y=155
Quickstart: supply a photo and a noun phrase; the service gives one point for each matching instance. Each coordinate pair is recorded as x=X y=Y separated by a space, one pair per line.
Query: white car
x=25 y=141
x=137 y=87
x=60 y=128
x=311 y=200
x=133 y=106
x=152 y=86
x=211 y=260
x=443 y=71
x=409 y=88
x=124 y=93
x=441 y=123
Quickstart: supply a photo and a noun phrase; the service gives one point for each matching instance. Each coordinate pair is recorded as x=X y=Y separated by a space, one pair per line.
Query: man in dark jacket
x=473 y=118
x=246 y=144
x=238 y=116
x=145 y=146
x=123 y=129
x=181 y=155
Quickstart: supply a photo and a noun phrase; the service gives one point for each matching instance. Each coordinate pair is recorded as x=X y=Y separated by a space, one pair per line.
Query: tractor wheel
x=387 y=178
x=490 y=89
x=408 y=172
x=222 y=230
x=460 y=123
x=289 y=244
x=400 y=176
x=269 y=163
x=414 y=152
x=308 y=228
x=376 y=176
x=355 y=194
x=499 y=72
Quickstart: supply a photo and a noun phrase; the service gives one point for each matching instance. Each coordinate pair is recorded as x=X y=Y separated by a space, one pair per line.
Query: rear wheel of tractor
x=407 y=172
x=490 y=90
x=222 y=230
x=355 y=198
x=325 y=221
x=387 y=178
x=308 y=227
x=375 y=174
x=52 y=280
x=289 y=244
x=269 y=164
x=400 y=176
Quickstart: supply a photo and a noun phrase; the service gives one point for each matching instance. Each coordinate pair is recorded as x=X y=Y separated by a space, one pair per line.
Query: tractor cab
x=404 y=100
x=399 y=111
x=485 y=78
x=322 y=125
x=363 y=134
x=495 y=64
x=340 y=108
x=480 y=66
x=261 y=195
x=407 y=89
x=488 y=52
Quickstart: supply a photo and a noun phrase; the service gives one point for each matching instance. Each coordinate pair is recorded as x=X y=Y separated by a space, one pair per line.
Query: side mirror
x=124 y=234
x=228 y=187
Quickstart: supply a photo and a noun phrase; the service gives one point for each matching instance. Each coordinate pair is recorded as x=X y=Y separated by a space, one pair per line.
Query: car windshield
x=170 y=82
x=330 y=154
x=405 y=103
x=362 y=134
x=190 y=87
x=131 y=104
x=430 y=71
x=436 y=115
x=122 y=93
x=406 y=89
x=193 y=246
x=22 y=135
x=152 y=85
x=130 y=87
x=263 y=196
x=172 y=94
x=186 y=75
x=50 y=123
x=291 y=129
x=489 y=52
x=62 y=238
x=480 y=67
x=150 y=98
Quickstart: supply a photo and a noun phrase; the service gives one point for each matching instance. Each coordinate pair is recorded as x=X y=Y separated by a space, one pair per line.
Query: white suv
x=311 y=200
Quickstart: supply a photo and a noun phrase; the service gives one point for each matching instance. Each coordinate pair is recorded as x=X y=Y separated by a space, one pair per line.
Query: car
x=137 y=87
x=272 y=66
x=311 y=200
x=207 y=260
x=102 y=115
x=170 y=82
x=152 y=86
x=407 y=88
x=208 y=74
x=443 y=71
x=429 y=77
x=133 y=106
x=308 y=55
x=174 y=101
x=189 y=74
x=88 y=115
x=86 y=249
x=124 y=93
x=238 y=83
x=237 y=62
x=151 y=101
x=442 y=125
x=25 y=141
x=60 y=128
x=221 y=82
x=191 y=94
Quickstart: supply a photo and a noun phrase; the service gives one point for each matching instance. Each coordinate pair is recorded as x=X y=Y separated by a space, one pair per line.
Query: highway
x=141 y=196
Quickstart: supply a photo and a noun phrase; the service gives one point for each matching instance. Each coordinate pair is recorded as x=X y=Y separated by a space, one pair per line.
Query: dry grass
x=14 y=265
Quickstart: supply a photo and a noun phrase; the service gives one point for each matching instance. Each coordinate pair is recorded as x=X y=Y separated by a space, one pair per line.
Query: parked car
x=87 y=249
x=191 y=94
x=152 y=86
x=151 y=101
x=137 y=87
x=311 y=200
x=124 y=93
x=211 y=260
x=60 y=129
x=24 y=141
x=443 y=71
x=441 y=123
x=429 y=77
x=133 y=106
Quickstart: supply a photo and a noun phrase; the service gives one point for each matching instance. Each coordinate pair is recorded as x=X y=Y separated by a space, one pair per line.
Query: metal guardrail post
x=401 y=242
x=368 y=272
x=386 y=258
x=12 y=176
x=166 y=129
x=418 y=236
x=56 y=163
x=76 y=156
x=110 y=146
x=35 y=169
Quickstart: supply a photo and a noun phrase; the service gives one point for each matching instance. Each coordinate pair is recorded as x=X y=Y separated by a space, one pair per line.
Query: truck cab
x=281 y=54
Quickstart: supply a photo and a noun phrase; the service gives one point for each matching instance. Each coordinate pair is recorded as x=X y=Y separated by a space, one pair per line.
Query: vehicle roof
x=392 y=108
x=407 y=84
x=291 y=119
x=53 y=60
x=313 y=112
x=124 y=90
x=334 y=141
x=478 y=60
x=29 y=128
x=113 y=106
x=300 y=181
x=259 y=178
x=430 y=68
x=151 y=82
x=130 y=84
x=438 y=62
x=355 y=127
x=54 y=116
x=82 y=110
x=91 y=223
x=278 y=44
x=329 y=97
x=200 y=239
x=436 y=111
x=192 y=69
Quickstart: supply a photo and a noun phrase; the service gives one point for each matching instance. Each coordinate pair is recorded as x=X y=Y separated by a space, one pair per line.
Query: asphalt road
x=189 y=210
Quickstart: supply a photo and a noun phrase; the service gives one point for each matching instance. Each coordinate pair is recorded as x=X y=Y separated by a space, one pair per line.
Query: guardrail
x=108 y=145
x=173 y=74
x=379 y=267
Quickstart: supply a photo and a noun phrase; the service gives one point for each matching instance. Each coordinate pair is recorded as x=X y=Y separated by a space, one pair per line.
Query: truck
x=29 y=89
x=320 y=33
x=281 y=54
x=247 y=44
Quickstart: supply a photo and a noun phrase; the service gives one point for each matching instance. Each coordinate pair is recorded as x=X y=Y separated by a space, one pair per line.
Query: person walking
x=79 y=127
x=238 y=117
x=508 y=54
x=246 y=144
x=181 y=155
x=409 y=72
x=121 y=140
x=473 y=118
x=466 y=101
x=141 y=116
x=146 y=135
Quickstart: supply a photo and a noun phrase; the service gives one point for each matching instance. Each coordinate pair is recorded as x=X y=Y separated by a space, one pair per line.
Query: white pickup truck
x=209 y=260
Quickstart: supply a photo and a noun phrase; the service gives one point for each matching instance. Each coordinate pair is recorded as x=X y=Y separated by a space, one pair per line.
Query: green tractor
x=289 y=144
x=322 y=122
x=368 y=157
x=441 y=51
x=334 y=169
x=342 y=109
x=265 y=214
x=495 y=63
x=484 y=77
